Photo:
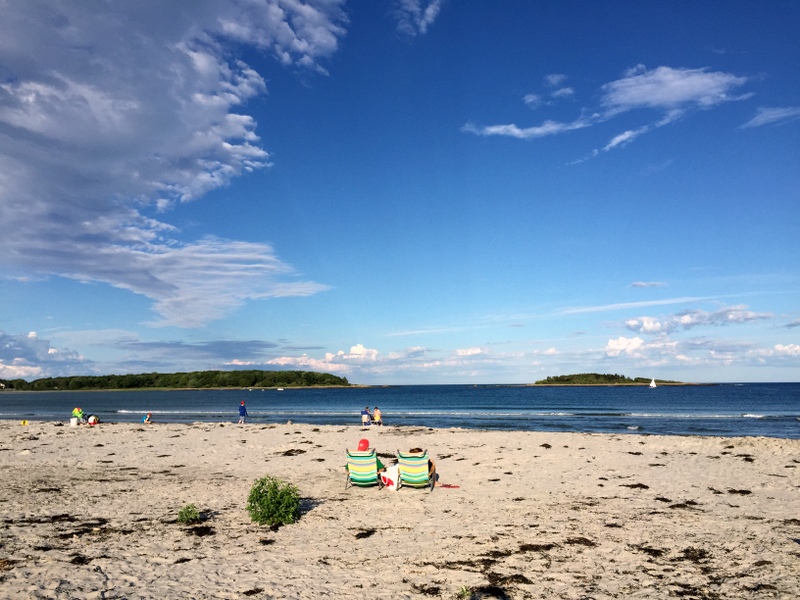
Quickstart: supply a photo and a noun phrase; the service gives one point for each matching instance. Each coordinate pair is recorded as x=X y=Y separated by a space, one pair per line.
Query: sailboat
x=652 y=383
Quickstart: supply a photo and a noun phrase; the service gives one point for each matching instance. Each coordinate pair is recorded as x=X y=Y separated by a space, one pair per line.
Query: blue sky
x=401 y=191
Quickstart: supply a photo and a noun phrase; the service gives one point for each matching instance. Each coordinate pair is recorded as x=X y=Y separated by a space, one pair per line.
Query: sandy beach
x=91 y=512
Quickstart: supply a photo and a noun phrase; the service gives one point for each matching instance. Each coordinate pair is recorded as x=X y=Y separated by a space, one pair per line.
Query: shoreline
x=91 y=512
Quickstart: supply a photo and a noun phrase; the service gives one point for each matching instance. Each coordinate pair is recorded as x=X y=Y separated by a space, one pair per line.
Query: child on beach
x=242 y=413
x=146 y=419
x=376 y=417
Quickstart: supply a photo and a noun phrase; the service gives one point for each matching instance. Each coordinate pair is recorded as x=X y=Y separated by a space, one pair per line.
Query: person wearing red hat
x=363 y=446
x=242 y=413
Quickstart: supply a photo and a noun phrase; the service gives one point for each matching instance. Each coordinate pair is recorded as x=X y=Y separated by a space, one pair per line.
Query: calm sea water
x=762 y=409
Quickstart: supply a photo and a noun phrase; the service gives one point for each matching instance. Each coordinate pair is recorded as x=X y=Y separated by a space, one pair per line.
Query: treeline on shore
x=194 y=379
x=597 y=379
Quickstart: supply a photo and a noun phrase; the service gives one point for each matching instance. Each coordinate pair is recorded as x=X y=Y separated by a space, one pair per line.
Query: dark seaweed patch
x=253 y=592
x=654 y=552
x=293 y=452
x=364 y=533
x=537 y=547
x=426 y=590
x=580 y=541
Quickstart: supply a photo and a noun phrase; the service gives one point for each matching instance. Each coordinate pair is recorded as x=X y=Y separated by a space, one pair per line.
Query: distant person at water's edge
x=146 y=418
x=242 y=413
x=376 y=416
x=366 y=417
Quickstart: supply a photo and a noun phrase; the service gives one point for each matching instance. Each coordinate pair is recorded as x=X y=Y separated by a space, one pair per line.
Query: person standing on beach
x=242 y=413
x=376 y=416
x=366 y=418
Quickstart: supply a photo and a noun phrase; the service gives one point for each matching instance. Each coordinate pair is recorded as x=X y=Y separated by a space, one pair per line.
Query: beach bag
x=389 y=478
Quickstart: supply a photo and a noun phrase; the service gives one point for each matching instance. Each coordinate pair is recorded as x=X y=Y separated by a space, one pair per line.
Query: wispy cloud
x=527 y=133
x=648 y=284
x=414 y=17
x=773 y=116
x=672 y=92
x=109 y=115
x=628 y=305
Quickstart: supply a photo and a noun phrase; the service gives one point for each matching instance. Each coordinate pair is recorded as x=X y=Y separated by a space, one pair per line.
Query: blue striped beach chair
x=413 y=470
x=362 y=469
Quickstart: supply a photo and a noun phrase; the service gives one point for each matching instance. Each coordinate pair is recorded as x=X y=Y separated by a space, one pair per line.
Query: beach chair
x=362 y=469
x=413 y=470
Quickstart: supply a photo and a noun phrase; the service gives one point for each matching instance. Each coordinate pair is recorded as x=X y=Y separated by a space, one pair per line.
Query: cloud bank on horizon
x=116 y=118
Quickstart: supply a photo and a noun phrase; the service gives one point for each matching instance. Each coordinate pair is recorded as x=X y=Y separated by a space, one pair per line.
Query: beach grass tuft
x=273 y=502
x=189 y=514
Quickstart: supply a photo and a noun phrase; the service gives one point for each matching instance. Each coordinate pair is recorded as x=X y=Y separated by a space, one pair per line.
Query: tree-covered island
x=191 y=380
x=600 y=379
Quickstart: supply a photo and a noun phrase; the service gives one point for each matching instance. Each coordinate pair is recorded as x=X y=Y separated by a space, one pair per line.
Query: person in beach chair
x=363 y=466
x=416 y=469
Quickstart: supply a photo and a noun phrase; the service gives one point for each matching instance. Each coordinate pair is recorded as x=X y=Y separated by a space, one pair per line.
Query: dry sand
x=91 y=513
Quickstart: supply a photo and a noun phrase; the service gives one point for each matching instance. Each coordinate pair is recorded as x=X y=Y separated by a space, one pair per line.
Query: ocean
x=748 y=409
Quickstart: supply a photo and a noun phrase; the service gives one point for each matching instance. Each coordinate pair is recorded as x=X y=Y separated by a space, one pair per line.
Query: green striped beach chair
x=362 y=469
x=413 y=470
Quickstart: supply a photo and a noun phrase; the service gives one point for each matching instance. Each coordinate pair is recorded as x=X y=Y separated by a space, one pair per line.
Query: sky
x=401 y=191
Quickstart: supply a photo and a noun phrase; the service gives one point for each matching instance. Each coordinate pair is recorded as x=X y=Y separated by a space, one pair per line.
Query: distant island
x=192 y=380
x=600 y=379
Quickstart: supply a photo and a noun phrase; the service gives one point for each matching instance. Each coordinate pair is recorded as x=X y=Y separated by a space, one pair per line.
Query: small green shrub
x=273 y=502
x=189 y=514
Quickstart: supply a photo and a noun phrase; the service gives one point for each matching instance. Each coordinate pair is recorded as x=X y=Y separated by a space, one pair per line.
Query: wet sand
x=92 y=513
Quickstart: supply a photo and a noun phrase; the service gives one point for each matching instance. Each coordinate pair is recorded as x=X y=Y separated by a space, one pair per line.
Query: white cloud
x=30 y=357
x=787 y=350
x=769 y=116
x=532 y=100
x=414 y=17
x=626 y=137
x=565 y=92
x=545 y=129
x=623 y=345
x=671 y=91
x=111 y=113
x=469 y=351
x=688 y=319
x=668 y=88
x=554 y=79
x=647 y=284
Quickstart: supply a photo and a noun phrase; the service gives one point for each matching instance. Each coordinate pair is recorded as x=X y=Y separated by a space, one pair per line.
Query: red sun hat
x=363 y=445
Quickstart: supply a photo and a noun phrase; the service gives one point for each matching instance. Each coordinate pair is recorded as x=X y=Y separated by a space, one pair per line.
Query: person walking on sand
x=242 y=413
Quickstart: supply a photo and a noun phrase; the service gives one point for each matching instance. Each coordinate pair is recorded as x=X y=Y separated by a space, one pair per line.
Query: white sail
x=652 y=383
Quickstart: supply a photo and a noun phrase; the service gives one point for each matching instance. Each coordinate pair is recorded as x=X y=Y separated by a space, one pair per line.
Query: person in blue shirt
x=146 y=418
x=242 y=413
